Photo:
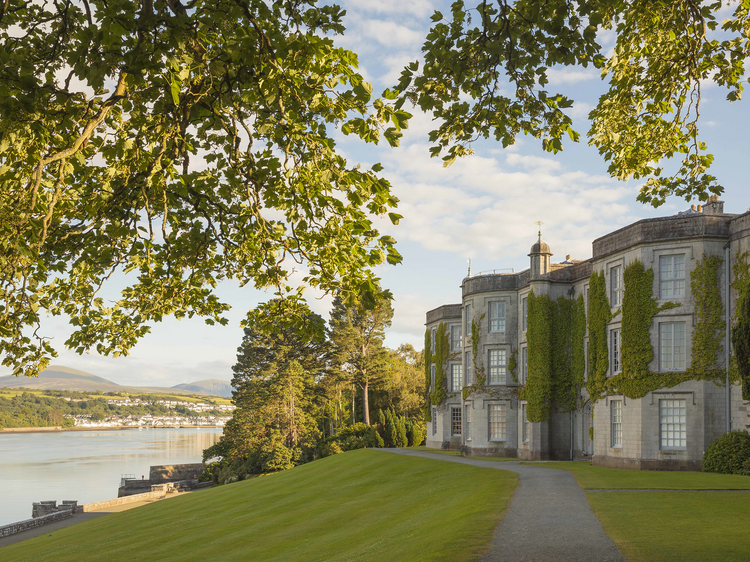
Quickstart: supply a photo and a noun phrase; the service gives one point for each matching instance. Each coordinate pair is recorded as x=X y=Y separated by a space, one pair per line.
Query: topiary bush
x=729 y=454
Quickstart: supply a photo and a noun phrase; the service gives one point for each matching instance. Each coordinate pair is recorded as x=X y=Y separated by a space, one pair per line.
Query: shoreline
x=9 y=430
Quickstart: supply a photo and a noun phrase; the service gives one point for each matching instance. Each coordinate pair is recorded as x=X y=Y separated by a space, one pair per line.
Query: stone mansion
x=667 y=428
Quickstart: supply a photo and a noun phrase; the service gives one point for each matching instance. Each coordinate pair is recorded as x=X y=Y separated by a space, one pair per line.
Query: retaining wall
x=27 y=524
x=157 y=495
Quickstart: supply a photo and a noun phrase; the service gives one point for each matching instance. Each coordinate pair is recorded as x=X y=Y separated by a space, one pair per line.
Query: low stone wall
x=174 y=472
x=95 y=506
x=27 y=524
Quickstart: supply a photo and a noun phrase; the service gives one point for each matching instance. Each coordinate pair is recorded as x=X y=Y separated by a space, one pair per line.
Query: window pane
x=467 y=369
x=456 y=377
x=497 y=317
x=673 y=423
x=496 y=414
x=455 y=338
x=616 y=406
x=525 y=430
x=497 y=366
x=468 y=319
x=456 y=421
x=467 y=420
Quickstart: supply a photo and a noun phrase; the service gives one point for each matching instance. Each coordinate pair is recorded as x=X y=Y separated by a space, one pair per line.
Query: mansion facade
x=668 y=428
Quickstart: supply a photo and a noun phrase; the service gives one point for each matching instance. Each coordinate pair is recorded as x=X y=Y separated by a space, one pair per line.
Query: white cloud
x=574 y=75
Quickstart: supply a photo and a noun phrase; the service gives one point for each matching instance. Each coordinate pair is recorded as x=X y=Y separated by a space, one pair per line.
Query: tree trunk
x=366 y=402
x=354 y=395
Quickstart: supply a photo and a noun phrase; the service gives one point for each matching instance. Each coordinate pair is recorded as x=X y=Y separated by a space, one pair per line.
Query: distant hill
x=214 y=387
x=58 y=377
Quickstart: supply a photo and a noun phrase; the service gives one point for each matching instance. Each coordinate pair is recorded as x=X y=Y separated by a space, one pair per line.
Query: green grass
x=676 y=526
x=359 y=505
x=454 y=453
x=589 y=477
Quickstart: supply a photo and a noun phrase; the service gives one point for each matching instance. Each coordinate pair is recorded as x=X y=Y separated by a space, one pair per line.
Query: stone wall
x=27 y=524
x=96 y=506
x=174 y=472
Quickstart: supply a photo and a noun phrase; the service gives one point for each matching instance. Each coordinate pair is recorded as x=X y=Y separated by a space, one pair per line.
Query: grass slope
x=589 y=477
x=676 y=526
x=359 y=505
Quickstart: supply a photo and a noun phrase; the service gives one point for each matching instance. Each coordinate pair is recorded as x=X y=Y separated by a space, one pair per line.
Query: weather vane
x=539 y=224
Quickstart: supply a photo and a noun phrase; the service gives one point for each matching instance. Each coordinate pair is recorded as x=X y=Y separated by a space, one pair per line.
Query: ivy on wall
x=709 y=318
x=480 y=378
x=741 y=328
x=539 y=388
x=440 y=357
x=600 y=313
x=513 y=365
x=555 y=355
x=638 y=309
x=427 y=374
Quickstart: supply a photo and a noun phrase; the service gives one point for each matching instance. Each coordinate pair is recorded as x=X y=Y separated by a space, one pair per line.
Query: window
x=497 y=317
x=433 y=335
x=467 y=421
x=615 y=285
x=432 y=378
x=467 y=313
x=615 y=350
x=524 y=312
x=524 y=365
x=456 y=377
x=616 y=408
x=455 y=338
x=467 y=368
x=672 y=346
x=673 y=424
x=497 y=366
x=672 y=276
x=455 y=421
x=525 y=424
x=496 y=414
x=434 y=421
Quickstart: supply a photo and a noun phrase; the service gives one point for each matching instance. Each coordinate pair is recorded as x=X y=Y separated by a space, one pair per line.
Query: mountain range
x=58 y=377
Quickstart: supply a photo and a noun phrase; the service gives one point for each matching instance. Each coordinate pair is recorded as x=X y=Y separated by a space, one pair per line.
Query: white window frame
x=497 y=317
x=615 y=418
x=456 y=421
x=498 y=370
x=615 y=285
x=672 y=276
x=500 y=422
x=467 y=421
x=524 y=313
x=456 y=337
x=524 y=365
x=672 y=357
x=673 y=424
x=615 y=342
x=456 y=377
x=467 y=369
x=524 y=425
x=433 y=335
x=467 y=315
x=434 y=420
x=432 y=377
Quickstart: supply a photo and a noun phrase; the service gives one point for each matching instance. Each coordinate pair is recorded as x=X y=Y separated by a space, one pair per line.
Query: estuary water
x=87 y=465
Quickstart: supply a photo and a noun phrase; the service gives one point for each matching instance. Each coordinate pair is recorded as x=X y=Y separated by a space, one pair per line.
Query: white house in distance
x=667 y=428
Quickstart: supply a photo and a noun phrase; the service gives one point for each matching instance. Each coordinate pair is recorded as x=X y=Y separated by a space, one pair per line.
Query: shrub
x=729 y=454
x=401 y=439
x=416 y=433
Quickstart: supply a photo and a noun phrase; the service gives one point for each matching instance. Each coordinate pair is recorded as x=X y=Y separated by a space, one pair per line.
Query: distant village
x=211 y=419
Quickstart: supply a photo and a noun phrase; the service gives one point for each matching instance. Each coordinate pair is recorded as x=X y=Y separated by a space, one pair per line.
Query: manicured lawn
x=359 y=505
x=676 y=526
x=454 y=452
x=598 y=477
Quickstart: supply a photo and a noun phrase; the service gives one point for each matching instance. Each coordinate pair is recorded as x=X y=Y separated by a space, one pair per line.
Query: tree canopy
x=485 y=74
x=183 y=144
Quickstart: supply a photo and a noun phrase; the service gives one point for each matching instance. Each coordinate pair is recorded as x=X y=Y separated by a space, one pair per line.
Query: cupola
x=541 y=261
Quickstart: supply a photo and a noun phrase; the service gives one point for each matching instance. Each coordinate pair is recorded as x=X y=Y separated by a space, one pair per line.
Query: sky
x=483 y=208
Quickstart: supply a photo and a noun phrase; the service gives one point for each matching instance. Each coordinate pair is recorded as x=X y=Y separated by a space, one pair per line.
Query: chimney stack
x=713 y=206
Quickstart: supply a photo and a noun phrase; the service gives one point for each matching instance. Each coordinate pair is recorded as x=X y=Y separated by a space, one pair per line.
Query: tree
x=281 y=356
x=650 y=113
x=403 y=386
x=183 y=144
x=356 y=334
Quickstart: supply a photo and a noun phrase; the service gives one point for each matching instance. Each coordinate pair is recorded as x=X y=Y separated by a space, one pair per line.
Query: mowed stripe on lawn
x=360 y=505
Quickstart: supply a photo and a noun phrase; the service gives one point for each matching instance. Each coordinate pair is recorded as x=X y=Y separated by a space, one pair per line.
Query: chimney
x=700 y=208
x=713 y=206
x=692 y=207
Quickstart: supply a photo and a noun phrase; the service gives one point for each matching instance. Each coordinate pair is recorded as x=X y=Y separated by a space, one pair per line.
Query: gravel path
x=549 y=518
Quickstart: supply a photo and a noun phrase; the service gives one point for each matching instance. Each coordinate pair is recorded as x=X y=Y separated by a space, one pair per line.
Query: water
x=86 y=465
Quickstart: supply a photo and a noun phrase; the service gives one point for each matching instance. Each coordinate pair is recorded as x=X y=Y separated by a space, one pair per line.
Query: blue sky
x=482 y=208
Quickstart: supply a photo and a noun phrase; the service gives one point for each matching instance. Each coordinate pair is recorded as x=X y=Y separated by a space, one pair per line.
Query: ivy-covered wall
x=440 y=357
x=427 y=374
x=741 y=327
x=600 y=313
x=554 y=335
